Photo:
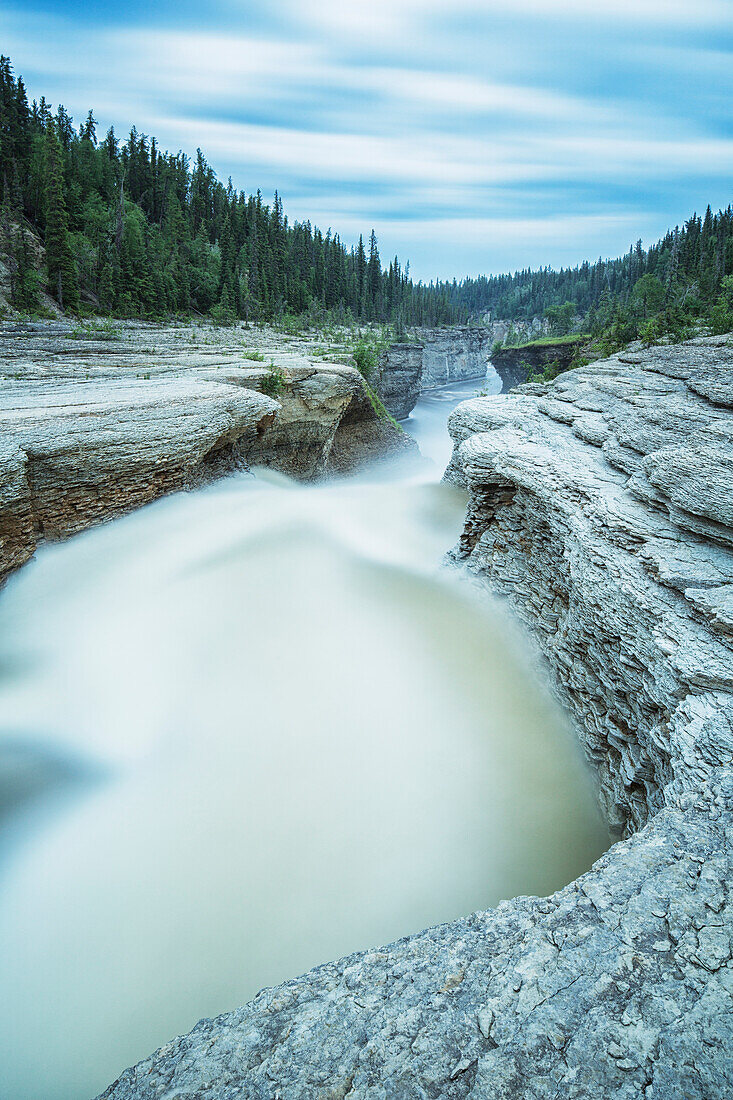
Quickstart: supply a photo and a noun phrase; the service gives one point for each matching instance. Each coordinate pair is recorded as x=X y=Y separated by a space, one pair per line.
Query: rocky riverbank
x=600 y=507
x=94 y=425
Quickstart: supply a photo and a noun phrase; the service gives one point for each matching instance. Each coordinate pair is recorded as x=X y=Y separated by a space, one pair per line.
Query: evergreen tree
x=59 y=260
x=146 y=233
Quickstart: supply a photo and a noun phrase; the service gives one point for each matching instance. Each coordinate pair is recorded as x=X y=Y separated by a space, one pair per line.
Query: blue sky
x=474 y=135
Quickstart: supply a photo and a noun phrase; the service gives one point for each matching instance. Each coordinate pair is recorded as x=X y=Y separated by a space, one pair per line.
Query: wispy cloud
x=475 y=135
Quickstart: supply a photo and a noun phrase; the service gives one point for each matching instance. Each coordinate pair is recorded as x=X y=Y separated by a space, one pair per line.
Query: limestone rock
x=80 y=454
x=92 y=428
x=326 y=423
x=454 y=354
x=602 y=509
x=514 y=364
x=399 y=379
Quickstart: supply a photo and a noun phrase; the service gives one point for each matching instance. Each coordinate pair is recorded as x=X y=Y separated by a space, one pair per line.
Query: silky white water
x=248 y=730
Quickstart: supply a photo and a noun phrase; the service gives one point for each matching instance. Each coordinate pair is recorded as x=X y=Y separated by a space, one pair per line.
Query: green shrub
x=223 y=312
x=107 y=330
x=366 y=356
x=274 y=382
x=650 y=332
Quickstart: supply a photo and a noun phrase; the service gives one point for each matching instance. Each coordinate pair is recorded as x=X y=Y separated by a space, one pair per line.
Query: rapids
x=247 y=730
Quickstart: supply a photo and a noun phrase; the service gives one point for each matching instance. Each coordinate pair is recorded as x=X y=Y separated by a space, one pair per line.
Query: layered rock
x=399 y=380
x=463 y=352
x=525 y=330
x=515 y=364
x=600 y=507
x=81 y=454
x=89 y=433
x=454 y=354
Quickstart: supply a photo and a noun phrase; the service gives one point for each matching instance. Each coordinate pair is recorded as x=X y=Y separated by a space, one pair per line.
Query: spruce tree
x=59 y=260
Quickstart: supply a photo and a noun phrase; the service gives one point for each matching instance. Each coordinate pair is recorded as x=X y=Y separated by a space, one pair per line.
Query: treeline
x=134 y=231
x=679 y=283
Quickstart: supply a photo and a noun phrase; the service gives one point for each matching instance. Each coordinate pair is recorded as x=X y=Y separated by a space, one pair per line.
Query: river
x=247 y=730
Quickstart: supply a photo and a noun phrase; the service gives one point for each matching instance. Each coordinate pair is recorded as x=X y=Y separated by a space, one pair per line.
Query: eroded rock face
x=514 y=365
x=91 y=430
x=454 y=354
x=600 y=508
x=400 y=379
x=84 y=453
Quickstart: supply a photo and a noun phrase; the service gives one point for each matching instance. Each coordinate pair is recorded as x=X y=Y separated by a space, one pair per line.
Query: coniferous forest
x=132 y=231
x=683 y=280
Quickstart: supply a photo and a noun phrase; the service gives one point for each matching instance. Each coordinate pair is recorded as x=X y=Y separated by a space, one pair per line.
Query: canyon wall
x=514 y=365
x=601 y=509
x=444 y=355
x=454 y=354
x=399 y=380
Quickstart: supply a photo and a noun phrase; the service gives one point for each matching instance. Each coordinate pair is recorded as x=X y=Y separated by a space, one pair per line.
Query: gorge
x=599 y=511
x=366 y=550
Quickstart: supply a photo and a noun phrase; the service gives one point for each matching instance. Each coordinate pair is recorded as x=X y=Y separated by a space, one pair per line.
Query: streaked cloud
x=474 y=135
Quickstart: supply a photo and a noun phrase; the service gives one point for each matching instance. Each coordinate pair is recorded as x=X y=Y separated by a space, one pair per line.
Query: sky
x=475 y=136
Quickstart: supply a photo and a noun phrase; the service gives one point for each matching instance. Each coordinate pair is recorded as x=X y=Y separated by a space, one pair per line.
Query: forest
x=679 y=285
x=132 y=231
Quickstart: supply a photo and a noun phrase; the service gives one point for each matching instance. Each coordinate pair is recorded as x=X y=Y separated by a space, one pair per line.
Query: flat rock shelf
x=91 y=428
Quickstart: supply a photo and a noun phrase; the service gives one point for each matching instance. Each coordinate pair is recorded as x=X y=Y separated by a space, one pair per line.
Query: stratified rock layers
x=75 y=453
x=514 y=365
x=601 y=507
x=400 y=378
x=454 y=354
x=83 y=453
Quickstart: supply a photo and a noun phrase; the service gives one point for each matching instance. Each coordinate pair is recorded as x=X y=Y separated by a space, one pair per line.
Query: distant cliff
x=439 y=356
x=515 y=364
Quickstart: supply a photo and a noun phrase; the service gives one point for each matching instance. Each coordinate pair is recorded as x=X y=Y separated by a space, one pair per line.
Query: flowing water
x=247 y=730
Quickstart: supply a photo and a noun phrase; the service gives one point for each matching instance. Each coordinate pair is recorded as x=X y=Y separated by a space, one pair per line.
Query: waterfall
x=247 y=730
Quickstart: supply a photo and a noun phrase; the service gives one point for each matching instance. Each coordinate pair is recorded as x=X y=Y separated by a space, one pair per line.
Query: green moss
x=379 y=408
x=551 y=342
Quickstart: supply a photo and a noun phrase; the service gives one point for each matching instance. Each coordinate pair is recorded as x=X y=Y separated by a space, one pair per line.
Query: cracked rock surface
x=600 y=508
